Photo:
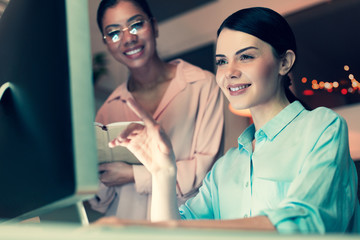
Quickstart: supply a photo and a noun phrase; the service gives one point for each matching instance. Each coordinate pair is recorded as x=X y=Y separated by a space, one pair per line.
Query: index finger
x=141 y=113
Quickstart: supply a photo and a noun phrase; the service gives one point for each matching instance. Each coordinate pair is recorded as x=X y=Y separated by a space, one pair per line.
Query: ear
x=287 y=62
x=155 y=27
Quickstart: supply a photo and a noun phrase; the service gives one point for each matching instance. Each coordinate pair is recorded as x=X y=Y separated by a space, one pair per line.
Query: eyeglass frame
x=105 y=35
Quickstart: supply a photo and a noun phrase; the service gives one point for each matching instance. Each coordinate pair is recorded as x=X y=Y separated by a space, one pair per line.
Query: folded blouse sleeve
x=207 y=144
x=322 y=198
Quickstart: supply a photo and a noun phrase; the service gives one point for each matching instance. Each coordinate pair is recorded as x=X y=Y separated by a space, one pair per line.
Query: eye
x=136 y=26
x=113 y=32
x=244 y=57
x=114 y=35
x=220 y=62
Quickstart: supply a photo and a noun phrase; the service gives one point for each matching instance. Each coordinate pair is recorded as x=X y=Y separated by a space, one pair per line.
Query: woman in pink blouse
x=184 y=99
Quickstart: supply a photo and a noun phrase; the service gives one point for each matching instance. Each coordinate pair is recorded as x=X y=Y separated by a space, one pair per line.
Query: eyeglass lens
x=116 y=33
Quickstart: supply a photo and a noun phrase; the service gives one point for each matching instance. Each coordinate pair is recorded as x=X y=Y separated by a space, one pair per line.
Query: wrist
x=164 y=202
x=168 y=173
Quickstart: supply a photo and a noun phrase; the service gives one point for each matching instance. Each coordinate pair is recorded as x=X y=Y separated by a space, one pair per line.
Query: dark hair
x=270 y=27
x=105 y=4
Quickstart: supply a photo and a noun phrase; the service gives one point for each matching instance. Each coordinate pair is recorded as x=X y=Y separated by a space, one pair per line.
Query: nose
x=129 y=38
x=233 y=72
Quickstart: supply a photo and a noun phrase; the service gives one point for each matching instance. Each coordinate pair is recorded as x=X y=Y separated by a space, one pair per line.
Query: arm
x=260 y=223
x=204 y=103
x=254 y=223
x=164 y=211
x=152 y=147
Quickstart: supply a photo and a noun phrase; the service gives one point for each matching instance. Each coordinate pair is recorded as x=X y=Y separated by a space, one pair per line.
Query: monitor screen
x=47 y=143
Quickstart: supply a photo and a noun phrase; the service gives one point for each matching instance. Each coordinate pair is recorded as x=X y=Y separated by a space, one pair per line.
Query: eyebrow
x=238 y=52
x=129 y=20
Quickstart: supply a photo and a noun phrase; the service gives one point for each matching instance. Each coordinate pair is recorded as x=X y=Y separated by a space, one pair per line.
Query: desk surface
x=70 y=232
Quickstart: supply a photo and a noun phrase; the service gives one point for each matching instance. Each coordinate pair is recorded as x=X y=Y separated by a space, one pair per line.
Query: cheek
x=147 y=35
x=267 y=71
x=112 y=48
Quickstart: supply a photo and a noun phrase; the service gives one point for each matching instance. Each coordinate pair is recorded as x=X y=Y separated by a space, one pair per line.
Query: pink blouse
x=191 y=113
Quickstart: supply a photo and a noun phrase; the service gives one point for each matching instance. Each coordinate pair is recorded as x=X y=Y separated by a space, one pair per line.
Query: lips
x=133 y=52
x=238 y=89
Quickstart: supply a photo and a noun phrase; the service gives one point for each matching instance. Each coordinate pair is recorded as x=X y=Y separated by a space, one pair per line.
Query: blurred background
x=327 y=71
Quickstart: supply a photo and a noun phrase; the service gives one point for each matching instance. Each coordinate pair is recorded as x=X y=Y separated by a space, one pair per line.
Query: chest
x=150 y=99
x=260 y=179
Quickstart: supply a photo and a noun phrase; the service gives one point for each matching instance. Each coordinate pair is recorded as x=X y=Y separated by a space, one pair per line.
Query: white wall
x=199 y=27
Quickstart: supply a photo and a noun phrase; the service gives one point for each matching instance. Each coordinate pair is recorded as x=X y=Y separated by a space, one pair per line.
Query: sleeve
x=207 y=144
x=322 y=198
x=201 y=206
x=102 y=199
x=105 y=195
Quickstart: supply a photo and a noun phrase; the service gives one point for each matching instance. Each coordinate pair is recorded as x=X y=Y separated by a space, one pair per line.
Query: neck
x=263 y=113
x=150 y=75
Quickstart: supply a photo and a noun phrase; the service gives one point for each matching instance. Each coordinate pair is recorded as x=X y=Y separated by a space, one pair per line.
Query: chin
x=239 y=105
x=138 y=63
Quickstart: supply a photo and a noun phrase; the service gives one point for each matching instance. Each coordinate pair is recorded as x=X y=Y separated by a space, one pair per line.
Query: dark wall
x=202 y=57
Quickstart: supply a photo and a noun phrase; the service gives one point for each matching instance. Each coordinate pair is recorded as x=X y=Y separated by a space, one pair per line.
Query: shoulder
x=198 y=81
x=320 y=123
x=120 y=91
x=112 y=101
x=323 y=116
x=191 y=73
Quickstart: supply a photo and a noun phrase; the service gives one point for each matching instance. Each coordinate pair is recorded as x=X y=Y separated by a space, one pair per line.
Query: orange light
x=304 y=80
x=328 y=85
x=335 y=84
x=314 y=82
x=242 y=112
x=346 y=68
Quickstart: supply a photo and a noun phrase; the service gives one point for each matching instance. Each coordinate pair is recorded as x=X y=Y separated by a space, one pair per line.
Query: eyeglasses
x=115 y=33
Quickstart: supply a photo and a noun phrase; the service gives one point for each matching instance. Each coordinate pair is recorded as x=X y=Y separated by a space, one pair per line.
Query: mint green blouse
x=300 y=175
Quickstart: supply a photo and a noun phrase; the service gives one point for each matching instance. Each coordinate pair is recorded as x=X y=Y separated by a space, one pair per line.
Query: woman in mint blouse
x=291 y=172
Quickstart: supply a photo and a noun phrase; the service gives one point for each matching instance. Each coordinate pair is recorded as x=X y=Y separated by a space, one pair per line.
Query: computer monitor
x=48 y=154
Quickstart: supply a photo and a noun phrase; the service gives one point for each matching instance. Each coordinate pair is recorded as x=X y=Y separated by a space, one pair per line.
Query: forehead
x=121 y=13
x=230 y=41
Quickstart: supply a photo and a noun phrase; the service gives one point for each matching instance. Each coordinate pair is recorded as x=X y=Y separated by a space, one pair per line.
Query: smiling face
x=247 y=71
x=133 y=50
